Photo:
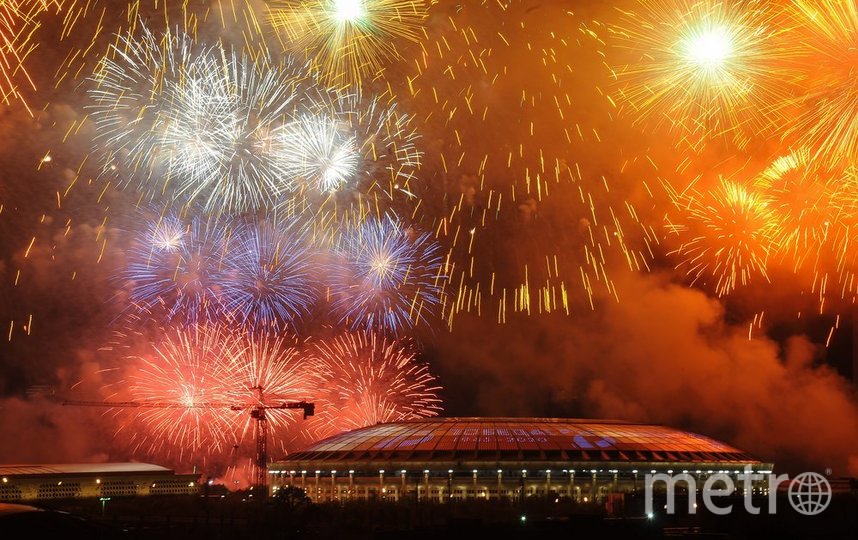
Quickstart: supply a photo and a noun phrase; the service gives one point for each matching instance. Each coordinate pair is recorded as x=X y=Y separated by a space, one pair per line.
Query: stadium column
x=500 y=482
x=593 y=488
x=572 y=484
x=317 y=491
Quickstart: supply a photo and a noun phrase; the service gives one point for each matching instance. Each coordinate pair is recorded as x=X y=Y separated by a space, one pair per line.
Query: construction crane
x=258 y=412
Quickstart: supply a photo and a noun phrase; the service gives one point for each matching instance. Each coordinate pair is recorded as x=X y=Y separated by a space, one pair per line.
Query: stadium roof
x=82 y=469
x=519 y=439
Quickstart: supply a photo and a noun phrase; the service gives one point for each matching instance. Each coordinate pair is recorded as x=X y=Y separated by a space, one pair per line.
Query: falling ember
x=18 y=20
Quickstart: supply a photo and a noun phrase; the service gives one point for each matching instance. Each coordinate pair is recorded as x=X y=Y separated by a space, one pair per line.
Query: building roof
x=519 y=439
x=82 y=469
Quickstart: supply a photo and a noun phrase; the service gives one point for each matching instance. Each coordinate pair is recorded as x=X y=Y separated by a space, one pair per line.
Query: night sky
x=524 y=102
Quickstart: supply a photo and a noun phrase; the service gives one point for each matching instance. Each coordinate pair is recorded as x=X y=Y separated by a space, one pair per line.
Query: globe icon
x=809 y=493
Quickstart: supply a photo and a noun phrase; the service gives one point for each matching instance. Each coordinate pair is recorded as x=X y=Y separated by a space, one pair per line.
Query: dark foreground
x=240 y=517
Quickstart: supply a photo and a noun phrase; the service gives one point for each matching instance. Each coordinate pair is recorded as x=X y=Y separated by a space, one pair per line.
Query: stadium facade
x=445 y=459
x=88 y=480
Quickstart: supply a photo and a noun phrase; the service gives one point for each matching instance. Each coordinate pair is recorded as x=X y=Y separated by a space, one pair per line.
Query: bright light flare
x=347 y=40
x=703 y=70
x=348 y=10
x=711 y=48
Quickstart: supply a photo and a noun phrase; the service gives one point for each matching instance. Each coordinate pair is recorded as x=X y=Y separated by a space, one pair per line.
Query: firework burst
x=269 y=275
x=828 y=117
x=192 y=368
x=357 y=145
x=728 y=242
x=386 y=277
x=806 y=202
x=349 y=39
x=702 y=69
x=196 y=387
x=198 y=123
x=174 y=269
x=371 y=379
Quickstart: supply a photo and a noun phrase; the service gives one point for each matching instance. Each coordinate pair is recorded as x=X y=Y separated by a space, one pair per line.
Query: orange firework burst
x=371 y=379
x=702 y=69
x=196 y=387
x=192 y=368
x=828 y=121
x=348 y=39
x=728 y=242
x=807 y=202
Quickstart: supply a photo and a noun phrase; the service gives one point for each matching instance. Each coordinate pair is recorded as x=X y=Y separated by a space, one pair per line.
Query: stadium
x=445 y=459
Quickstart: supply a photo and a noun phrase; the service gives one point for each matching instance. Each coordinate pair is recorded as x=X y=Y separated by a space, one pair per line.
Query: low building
x=67 y=481
x=442 y=459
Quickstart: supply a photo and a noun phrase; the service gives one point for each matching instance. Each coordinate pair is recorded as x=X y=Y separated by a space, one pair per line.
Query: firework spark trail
x=386 y=277
x=18 y=22
x=89 y=26
x=724 y=231
x=175 y=269
x=370 y=379
x=827 y=31
x=269 y=275
x=347 y=40
x=533 y=204
x=198 y=123
x=325 y=157
x=273 y=369
x=704 y=69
